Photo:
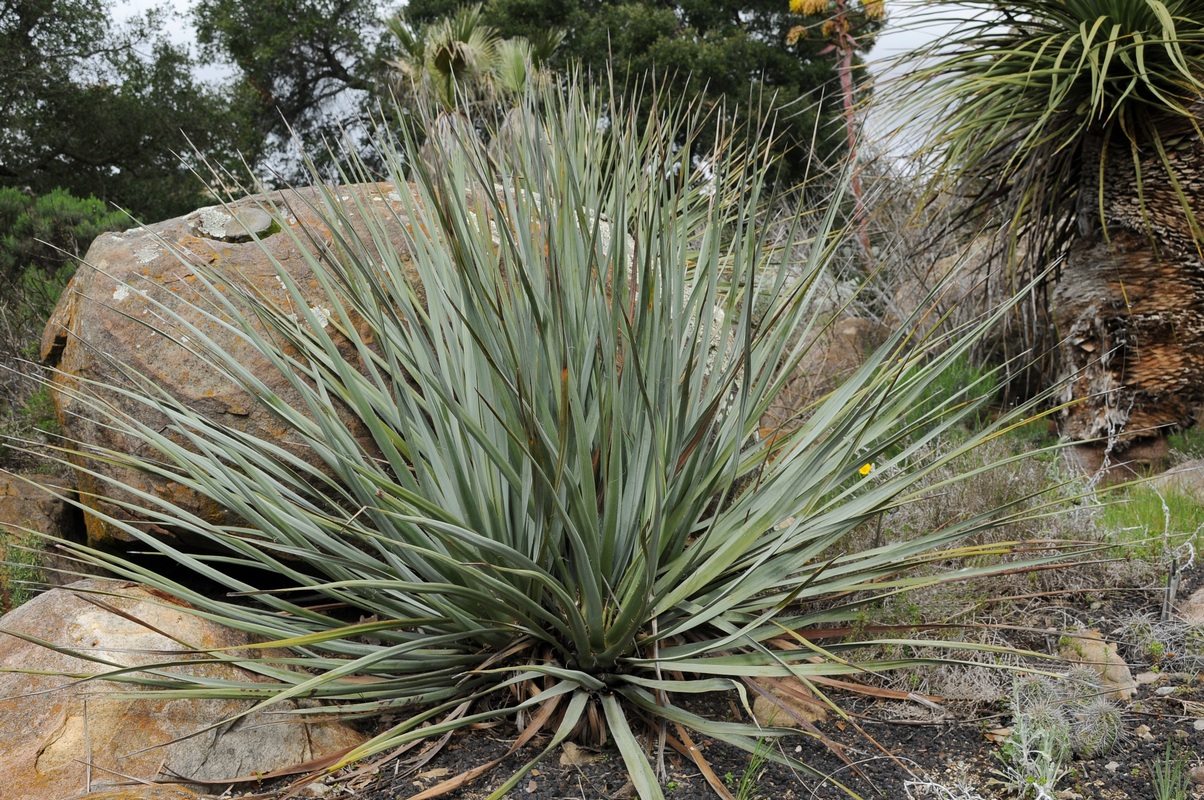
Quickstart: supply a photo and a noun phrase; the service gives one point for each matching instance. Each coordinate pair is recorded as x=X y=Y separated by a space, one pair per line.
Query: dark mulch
x=891 y=750
x=915 y=751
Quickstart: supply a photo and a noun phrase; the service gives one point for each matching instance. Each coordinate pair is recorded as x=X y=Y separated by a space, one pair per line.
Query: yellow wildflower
x=808 y=8
x=866 y=469
x=794 y=34
x=874 y=9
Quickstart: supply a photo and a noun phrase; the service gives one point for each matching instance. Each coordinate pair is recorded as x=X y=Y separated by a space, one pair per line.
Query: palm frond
x=1029 y=106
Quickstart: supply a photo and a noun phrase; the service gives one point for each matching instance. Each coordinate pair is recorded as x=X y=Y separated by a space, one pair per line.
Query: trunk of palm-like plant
x=1129 y=307
x=1074 y=126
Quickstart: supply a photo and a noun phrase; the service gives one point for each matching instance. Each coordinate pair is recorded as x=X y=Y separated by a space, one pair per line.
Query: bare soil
x=894 y=750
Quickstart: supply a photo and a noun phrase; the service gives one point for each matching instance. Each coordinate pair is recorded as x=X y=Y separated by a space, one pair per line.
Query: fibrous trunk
x=1129 y=306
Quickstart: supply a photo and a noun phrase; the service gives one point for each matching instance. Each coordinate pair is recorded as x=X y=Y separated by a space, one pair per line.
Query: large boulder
x=60 y=737
x=117 y=316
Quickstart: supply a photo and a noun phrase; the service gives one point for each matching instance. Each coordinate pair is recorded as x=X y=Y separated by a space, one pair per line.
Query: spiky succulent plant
x=544 y=491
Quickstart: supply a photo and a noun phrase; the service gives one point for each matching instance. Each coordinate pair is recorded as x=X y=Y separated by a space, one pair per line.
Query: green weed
x=20 y=567
x=1171 y=780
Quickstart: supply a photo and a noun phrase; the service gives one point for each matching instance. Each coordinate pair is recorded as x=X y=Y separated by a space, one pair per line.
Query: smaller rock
x=1112 y=766
x=1146 y=678
x=792 y=705
x=1198 y=724
x=1143 y=733
x=233 y=225
x=1191 y=610
x=1186 y=479
x=1164 y=691
x=1087 y=647
x=1197 y=774
x=573 y=756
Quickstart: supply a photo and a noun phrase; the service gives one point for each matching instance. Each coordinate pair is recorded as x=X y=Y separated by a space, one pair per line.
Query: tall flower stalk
x=849 y=27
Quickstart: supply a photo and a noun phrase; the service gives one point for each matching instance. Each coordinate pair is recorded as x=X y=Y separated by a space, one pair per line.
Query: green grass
x=1144 y=521
x=1187 y=445
x=20 y=567
x=1171 y=780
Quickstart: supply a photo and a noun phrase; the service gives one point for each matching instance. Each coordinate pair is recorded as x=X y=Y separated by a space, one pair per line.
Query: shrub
x=43 y=239
x=20 y=567
x=564 y=515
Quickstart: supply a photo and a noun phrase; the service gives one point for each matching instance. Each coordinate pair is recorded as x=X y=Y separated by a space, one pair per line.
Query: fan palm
x=542 y=494
x=1073 y=127
x=469 y=72
x=462 y=60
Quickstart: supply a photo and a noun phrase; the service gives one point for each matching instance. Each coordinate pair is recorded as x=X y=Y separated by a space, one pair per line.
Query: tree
x=309 y=68
x=104 y=111
x=734 y=52
x=1074 y=126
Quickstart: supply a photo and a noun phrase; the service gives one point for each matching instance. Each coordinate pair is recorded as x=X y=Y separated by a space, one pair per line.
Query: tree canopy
x=314 y=68
x=308 y=68
x=115 y=111
x=738 y=52
x=101 y=109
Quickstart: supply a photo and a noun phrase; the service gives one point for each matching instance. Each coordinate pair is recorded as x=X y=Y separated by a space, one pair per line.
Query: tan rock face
x=61 y=737
x=137 y=305
x=1191 y=610
x=25 y=504
x=153 y=792
x=26 y=510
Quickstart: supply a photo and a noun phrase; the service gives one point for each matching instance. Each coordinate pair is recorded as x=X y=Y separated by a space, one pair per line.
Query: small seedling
x=1171 y=780
x=756 y=765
